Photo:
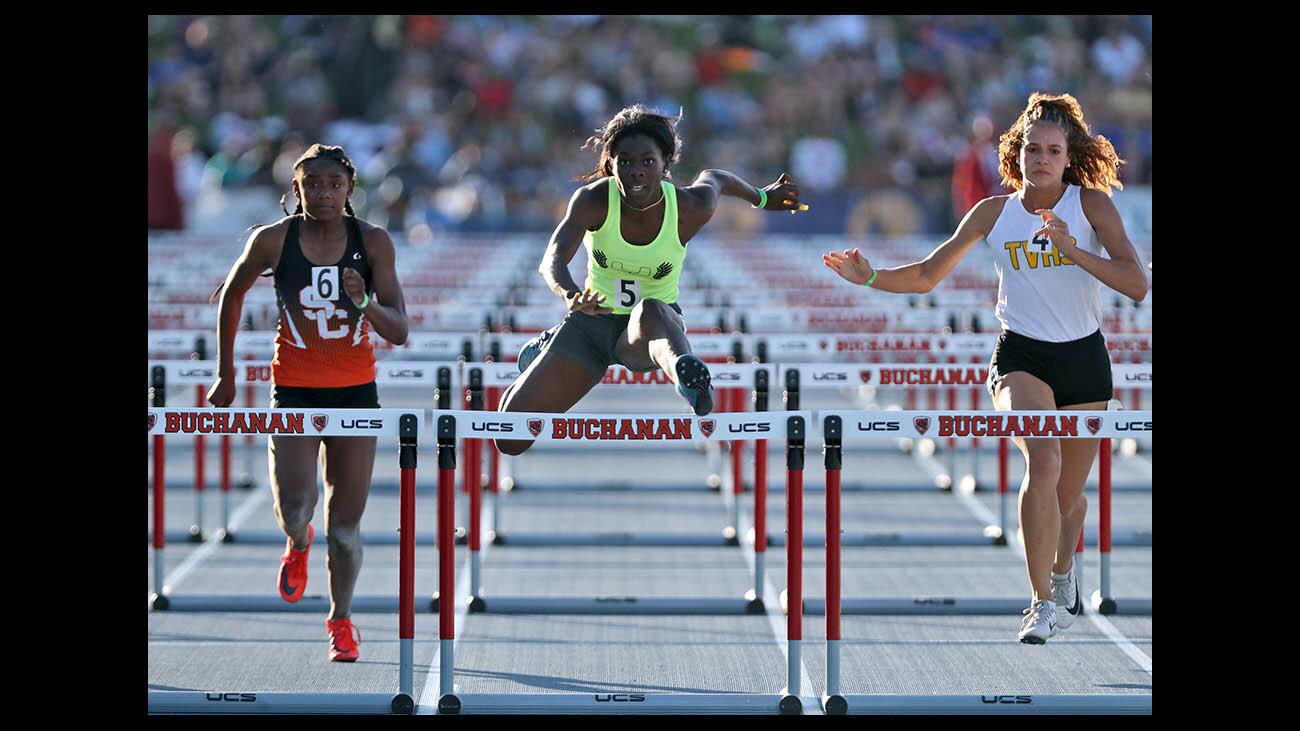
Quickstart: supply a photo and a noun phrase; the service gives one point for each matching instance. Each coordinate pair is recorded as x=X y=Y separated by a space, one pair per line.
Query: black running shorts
x=1078 y=371
x=591 y=340
x=365 y=396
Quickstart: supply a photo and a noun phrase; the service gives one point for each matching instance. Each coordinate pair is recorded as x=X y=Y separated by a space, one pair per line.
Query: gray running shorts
x=590 y=340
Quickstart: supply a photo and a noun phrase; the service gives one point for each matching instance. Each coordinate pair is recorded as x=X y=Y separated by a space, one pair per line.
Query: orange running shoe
x=343 y=648
x=293 y=569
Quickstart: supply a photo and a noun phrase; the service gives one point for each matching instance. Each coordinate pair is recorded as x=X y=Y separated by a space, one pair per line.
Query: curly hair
x=1093 y=160
x=633 y=120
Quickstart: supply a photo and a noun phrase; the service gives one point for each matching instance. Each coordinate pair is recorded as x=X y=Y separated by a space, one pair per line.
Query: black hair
x=634 y=120
x=315 y=152
x=328 y=152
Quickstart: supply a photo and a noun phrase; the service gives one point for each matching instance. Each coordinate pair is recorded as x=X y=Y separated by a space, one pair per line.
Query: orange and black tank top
x=322 y=340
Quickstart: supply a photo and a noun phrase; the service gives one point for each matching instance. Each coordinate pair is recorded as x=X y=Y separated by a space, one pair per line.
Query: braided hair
x=327 y=152
x=634 y=120
x=315 y=152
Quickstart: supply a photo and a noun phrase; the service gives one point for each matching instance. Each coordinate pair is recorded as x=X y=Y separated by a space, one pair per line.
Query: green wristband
x=868 y=283
x=762 y=198
x=364 y=302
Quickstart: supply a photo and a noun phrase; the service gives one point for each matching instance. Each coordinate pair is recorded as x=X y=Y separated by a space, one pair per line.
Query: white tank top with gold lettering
x=1042 y=294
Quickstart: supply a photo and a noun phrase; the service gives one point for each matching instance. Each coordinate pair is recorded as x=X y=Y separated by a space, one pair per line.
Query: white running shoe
x=1065 y=593
x=1039 y=623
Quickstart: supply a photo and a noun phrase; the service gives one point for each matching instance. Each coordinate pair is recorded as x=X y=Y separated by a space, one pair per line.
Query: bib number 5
x=629 y=291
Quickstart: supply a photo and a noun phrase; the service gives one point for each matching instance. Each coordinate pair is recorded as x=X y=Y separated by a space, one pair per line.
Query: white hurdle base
x=888 y=538
x=990 y=536
x=613 y=539
x=925 y=486
x=273 y=603
x=609 y=486
x=615 y=605
x=172 y=537
x=998 y=705
x=622 y=702
x=951 y=605
x=929 y=486
x=212 y=702
x=369 y=538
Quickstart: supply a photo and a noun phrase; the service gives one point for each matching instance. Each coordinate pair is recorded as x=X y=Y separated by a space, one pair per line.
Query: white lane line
x=1118 y=638
x=812 y=705
x=237 y=518
x=428 y=703
x=1098 y=620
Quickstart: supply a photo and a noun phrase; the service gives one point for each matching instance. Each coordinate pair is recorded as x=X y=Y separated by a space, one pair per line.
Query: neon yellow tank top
x=627 y=274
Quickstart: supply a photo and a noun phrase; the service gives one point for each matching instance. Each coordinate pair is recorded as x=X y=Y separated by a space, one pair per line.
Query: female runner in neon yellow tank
x=635 y=223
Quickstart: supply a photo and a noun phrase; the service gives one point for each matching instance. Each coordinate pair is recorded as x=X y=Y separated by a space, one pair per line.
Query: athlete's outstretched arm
x=922 y=276
x=709 y=185
x=582 y=215
x=387 y=309
x=261 y=252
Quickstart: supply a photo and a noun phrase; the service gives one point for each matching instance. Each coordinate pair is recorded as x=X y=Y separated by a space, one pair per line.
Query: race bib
x=629 y=292
x=325 y=283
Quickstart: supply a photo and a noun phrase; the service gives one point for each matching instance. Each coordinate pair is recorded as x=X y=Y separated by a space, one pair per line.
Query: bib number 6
x=325 y=283
x=629 y=292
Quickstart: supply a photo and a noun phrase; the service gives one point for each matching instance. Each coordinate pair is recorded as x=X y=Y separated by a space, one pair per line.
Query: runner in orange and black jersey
x=321 y=341
x=335 y=279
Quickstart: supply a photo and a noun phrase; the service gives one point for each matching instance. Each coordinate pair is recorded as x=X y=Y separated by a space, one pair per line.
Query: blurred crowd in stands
x=474 y=123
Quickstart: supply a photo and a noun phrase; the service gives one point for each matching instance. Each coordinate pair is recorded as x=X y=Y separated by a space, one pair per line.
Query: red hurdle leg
x=794 y=555
x=1105 y=602
x=196 y=530
x=159 y=538
x=406 y=569
x=446 y=562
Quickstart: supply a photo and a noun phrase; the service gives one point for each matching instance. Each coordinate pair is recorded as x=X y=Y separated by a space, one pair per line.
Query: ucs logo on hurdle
x=1014 y=699
x=535 y=426
x=621 y=697
x=231 y=697
x=866 y=376
x=922 y=424
x=319 y=421
x=1093 y=423
x=153 y=419
x=706 y=426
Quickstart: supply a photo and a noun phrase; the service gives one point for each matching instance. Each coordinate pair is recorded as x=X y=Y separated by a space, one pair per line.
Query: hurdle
x=838 y=426
x=728 y=376
x=822 y=348
x=712 y=348
x=570 y=429
x=165 y=374
x=834 y=376
x=559 y=428
x=193 y=343
x=282 y=422
x=1063 y=424
x=329 y=422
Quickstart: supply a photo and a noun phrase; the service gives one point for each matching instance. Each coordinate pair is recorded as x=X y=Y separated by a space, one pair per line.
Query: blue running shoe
x=534 y=347
x=695 y=384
